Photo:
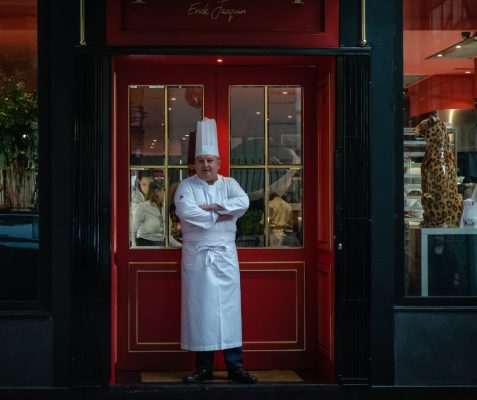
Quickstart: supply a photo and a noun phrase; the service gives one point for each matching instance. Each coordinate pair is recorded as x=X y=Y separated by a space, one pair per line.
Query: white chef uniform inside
x=208 y=206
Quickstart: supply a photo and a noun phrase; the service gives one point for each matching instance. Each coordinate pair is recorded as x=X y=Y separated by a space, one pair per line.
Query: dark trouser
x=233 y=359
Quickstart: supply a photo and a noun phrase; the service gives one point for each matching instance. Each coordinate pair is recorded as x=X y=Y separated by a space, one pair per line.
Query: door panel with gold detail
x=267 y=125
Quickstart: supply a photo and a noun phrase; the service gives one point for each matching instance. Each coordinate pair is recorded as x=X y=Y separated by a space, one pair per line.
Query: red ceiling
x=18 y=26
x=431 y=26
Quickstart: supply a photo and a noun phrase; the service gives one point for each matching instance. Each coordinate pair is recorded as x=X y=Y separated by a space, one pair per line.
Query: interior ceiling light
x=466 y=48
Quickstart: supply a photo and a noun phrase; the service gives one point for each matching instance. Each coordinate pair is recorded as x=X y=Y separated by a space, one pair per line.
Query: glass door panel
x=284 y=124
x=146 y=125
x=247 y=125
x=184 y=110
x=285 y=207
x=275 y=145
x=176 y=175
x=162 y=123
x=147 y=208
x=250 y=227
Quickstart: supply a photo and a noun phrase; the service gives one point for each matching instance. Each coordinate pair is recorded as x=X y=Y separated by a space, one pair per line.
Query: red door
x=266 y=118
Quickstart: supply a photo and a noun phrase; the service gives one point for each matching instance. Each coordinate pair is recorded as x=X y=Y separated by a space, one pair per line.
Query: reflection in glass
x=285 y=208
x=176 y=175
x=184 y=105
x=247 y=113
x=146 y=124
x=451 y=265
x=284 y=125
x=20 y=240
x=146 y=213
x=250 y=227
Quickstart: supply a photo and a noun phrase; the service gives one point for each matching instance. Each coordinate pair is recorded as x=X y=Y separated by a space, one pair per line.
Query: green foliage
x=251 y=223
x=18 y=125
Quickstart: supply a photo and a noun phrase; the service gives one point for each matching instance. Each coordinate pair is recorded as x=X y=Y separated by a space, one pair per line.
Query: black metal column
x=353 y=224
x=90 y=347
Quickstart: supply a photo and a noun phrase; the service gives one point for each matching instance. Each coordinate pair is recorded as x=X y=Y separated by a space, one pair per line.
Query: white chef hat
x=206 y=138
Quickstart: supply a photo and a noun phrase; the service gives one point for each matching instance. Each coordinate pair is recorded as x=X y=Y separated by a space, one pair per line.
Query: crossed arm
x=216 y=208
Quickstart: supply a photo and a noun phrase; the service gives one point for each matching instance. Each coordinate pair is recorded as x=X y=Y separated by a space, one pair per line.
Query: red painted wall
x=475 y=80
x=224 y=23
x=441 y=92
x=440 y=14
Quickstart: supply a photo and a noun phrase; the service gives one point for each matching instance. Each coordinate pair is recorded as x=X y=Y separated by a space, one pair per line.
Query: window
x=162 y=124
x=440 y=148
x=19 y=187
x=265 y=158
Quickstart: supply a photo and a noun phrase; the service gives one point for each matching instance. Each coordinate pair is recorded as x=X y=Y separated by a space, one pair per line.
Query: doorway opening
x=275 y=119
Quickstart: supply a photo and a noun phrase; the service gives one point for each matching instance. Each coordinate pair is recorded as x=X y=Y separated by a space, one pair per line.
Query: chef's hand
x=224 y=217
x=211 y=207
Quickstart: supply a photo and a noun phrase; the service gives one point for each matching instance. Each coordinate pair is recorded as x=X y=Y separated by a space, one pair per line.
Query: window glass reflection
x=284 y=125
x=250 y=227
x=176 y=175
x=157 y=112
x=285 y=208
x=146 y=125
x=146 y=215
x=19 y=158
x=440 y=146
x=448 y=266
x=275 y=216
x=247 y=132
x=184 y=105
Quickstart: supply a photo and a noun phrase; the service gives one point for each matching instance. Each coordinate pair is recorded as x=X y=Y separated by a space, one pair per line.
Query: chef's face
x=207 y=167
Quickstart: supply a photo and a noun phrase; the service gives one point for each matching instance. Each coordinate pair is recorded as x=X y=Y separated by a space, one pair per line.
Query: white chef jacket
x=210 y=309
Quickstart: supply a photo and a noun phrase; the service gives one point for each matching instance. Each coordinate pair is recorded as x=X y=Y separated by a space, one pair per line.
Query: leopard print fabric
x=441 y=202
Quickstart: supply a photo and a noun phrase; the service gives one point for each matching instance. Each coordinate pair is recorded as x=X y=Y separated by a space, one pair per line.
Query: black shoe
x=201 y=375
x=242 y=376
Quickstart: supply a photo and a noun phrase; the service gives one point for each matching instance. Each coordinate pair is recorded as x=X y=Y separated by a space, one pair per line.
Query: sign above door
x=282 y=23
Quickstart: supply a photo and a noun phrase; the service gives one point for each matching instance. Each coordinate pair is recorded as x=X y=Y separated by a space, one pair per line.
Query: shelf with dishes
x=414 y=150
x=412 y=203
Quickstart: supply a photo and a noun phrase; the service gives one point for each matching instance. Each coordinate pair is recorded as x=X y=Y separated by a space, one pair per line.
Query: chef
x=208 y=206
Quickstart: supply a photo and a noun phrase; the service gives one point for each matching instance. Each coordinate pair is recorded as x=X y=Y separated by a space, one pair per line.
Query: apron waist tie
x=210 y=253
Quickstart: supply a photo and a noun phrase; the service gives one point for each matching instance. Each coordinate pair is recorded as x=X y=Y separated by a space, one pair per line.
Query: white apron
x=210 y=308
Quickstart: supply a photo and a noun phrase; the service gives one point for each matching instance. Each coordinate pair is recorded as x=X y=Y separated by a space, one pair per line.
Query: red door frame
x=324 y=277
x=325 y=92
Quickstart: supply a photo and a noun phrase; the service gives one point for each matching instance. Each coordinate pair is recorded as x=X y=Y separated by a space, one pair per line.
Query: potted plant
x=18 y=145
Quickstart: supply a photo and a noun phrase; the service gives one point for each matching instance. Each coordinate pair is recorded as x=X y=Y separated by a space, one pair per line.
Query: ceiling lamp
x=466 y=48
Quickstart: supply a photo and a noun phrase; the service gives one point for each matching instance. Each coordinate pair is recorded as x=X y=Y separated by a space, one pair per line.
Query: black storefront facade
x=384 y=343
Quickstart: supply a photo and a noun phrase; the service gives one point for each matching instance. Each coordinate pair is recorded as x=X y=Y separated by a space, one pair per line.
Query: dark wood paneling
x=353 y=225
x=91 y=226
